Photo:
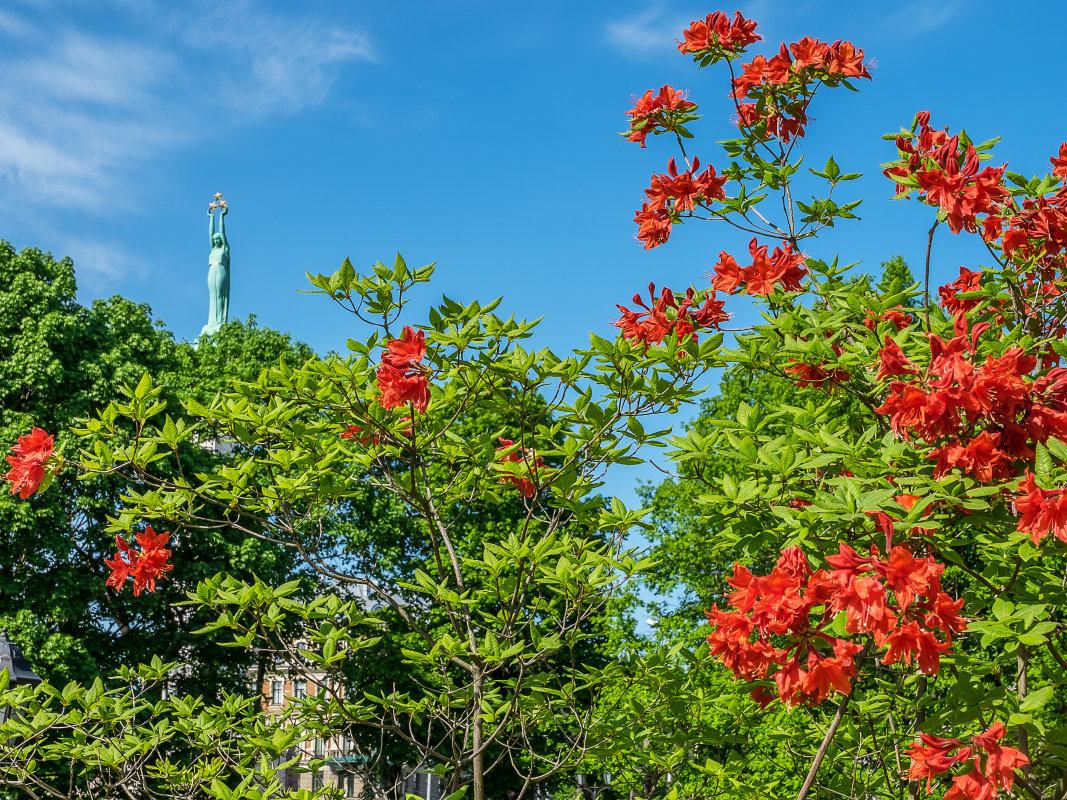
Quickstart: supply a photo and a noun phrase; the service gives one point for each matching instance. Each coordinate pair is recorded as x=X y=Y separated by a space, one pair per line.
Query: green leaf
x=1042 y=462
x=1036 y=700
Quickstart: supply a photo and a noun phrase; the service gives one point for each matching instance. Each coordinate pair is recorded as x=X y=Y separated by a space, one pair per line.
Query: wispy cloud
x=102 y=264
x=656 y=29
x=652 y=31
x=922 y=17
x=84 y=110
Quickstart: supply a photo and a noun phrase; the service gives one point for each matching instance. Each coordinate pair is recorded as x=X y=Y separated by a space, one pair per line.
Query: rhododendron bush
x=893 y=576
x=911 y=566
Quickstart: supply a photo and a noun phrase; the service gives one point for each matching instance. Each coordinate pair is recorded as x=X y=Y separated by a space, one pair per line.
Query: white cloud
x=281 y=65
x=84 y=113
x=922 y=17
x=651 y=31
x=102 y=264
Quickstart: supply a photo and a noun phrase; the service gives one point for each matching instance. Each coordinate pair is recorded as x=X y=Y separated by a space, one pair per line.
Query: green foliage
x=61 y=361
x=484 y=653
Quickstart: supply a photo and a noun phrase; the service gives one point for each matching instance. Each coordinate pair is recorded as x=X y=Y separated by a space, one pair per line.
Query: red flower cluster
x=530 y=461
x=356 y=432
x=718 y=32
x=654 y=112
x=1034 y=240
x=665 y=315
x=1032 y=236
x=936 y=756
x=145 y=566
x=795 y=605
x=27 y=465
x=896 y=316
x=1041 y=511
x=968 y=282
x=818 y=376
x=988 y=415
x=783 y=266
x=947 y=176
x=776 y=86
x=671 y=193
x=402 y=378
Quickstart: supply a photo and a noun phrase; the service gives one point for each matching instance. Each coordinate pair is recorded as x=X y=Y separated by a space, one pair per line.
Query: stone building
x=342 y=768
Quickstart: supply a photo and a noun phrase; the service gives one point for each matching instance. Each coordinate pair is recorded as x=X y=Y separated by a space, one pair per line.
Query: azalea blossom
x=144 y=566
x=27 y=465
x=664 y=315
x=787 y=612
x=718 y=30
x=529 y=460
x=402 y=378
x=935 y=756
x=1041 y=511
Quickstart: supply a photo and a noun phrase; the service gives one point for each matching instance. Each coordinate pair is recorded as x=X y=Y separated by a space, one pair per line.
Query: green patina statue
x=218 y=272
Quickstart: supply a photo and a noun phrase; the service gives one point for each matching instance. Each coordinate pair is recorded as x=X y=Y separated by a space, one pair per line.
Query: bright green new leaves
x=489 y=589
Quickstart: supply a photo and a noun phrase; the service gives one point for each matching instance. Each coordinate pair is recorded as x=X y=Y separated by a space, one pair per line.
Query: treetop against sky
x=490 y=146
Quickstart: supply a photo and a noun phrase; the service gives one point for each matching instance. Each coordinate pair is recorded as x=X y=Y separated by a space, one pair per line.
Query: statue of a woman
x=218 y=272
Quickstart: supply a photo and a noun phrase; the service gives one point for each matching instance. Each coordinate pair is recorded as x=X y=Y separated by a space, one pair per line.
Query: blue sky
x=480 y=135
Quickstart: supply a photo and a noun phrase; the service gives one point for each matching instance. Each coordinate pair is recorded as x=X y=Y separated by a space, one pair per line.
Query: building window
x=276 y=697
x=300 y=690
x=319 y=747
x=316 y=780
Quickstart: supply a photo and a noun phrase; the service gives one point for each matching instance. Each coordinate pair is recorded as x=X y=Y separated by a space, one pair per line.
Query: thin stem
x=821 y=753
x=926 y=274
x=1022 y=661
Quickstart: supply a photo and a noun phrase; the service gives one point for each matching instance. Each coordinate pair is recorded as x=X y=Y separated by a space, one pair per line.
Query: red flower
x=829 y=674
x=911 y=410
x=980 y=457
x=647 y=114
x=653 y=225
x=818 y=376
x=892 y=361
x=908 y=576
x=144 y=566
x=846 y=61
x=863 y=601
x=408 y=349
x=27 y=465
x=682 y=191
x=729 y=641
x=1059 y=164
x=1041 y=511
x=911 y=640
x=968 y=281
x=894 y=316
x=972 y=786
x=663 y=314
x=934 y=757
x=944 y=615
x=530 y=462
x=356 y=432
x=783 y=266
x=727 y=274
x=1001 y=762
x=716 y=30
x=809 y=53
x=402 y=378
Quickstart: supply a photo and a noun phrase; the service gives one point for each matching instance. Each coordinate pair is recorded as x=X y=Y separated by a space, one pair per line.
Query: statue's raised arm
x=222 y=227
